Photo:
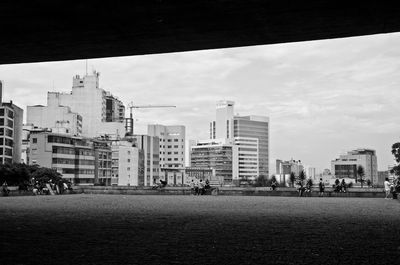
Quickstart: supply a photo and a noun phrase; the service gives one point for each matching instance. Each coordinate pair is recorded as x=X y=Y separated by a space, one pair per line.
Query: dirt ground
x=118 y=229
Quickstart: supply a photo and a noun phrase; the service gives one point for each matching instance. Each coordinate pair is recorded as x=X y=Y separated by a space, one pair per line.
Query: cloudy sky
x=323 y=97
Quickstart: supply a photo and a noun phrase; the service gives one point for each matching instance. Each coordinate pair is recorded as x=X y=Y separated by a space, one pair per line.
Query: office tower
x=250 y=133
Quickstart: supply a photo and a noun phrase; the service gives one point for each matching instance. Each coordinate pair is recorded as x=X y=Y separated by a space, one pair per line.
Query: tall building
x=220 y=155
x=100 y=112
x=149 y=145
x=11 y=117
x=251 y=133
x=346 y=165
x=254 y=127
x=80 y=160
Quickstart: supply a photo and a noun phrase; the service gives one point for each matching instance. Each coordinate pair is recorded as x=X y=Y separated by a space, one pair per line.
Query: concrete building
x=11 y=117
x=244 y=131
x=127 y=171
x=149 y=145
x=285 y=168
x=194 y=173
x=188 y=148
x=172 y=145
x=81 y=160
x=100 y=112
x=346 y=165
x=220 y=155
x=54 y=116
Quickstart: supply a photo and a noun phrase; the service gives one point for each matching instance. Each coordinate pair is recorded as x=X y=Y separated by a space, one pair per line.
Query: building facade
x=54 y=116
x=220 y=155
x=346 y=165
x=245 y=131
x=172 y=145
x=127 y=170
x=285 y=168
x=101 y=112
x=11 y=117
x=149 y=145
x=77 y=159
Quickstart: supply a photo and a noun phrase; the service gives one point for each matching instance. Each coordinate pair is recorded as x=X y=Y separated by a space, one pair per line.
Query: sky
x=323 y=98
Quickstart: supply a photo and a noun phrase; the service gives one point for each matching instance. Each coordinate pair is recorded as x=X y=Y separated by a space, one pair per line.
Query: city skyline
x=323 y=97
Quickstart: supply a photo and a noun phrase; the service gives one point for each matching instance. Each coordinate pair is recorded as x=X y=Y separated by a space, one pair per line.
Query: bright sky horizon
x=323 y=97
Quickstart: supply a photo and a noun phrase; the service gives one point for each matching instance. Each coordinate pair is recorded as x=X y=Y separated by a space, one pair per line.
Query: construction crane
x=129 y=121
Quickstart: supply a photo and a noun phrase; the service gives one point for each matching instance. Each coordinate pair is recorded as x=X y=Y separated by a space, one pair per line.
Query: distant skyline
x=323 y=97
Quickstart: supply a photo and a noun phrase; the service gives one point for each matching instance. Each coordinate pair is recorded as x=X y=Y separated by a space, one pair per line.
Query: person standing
x=321 y=188
x=386 y=184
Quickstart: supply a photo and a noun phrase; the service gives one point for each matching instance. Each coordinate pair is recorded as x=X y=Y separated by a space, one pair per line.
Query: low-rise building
x=80 y=160
x=219 y=154
x=346 y=165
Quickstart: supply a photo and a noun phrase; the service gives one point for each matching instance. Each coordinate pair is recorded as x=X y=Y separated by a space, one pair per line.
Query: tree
x=396 y=154
x=261 y=181
x=44 y=175
x=302 y=176
x=292 y=178
x=360 y=174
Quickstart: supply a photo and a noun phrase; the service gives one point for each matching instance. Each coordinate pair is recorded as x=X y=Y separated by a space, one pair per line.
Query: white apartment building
x=125 y=165
x=101 y=112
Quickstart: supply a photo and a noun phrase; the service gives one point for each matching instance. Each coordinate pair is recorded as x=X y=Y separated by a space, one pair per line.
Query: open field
x=118 y=229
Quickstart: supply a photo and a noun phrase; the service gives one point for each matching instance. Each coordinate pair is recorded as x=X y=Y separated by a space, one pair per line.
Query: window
x=129 y=160
x=129 y=152
x=175 y=153
x=34 y=140
x=128 y=168
x=169 y=146
x=176 y=146
x=1 y=112
x=169 y=140
x=169 y=153
x=176 y=140
x=175 y=159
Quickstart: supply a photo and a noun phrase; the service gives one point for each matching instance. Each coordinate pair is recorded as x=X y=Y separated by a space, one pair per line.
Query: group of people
x=304 y=190
x=47 y=188
x=340 y=186
x=199 y=187
x=392 y=188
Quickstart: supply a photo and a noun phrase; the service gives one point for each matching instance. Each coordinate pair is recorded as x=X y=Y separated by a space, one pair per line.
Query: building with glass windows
x=250 y=133
x=11 y=117
x=346 y=165
x=81 y=160
x=220 y=155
